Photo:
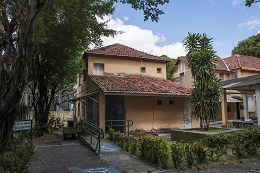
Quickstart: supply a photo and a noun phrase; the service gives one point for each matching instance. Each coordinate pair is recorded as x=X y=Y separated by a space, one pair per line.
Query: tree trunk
x=13 y=83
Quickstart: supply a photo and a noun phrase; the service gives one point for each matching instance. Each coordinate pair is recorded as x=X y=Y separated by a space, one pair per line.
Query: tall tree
x=249 y=46
x=61 y=34
x=18 y=20
x=205 y=96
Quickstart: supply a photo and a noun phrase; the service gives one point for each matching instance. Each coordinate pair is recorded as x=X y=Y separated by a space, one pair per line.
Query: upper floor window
x=98 y=69
x=234 y=75
x=182 y=79
x=159 y=70
x=220 y=76
x=143 y=69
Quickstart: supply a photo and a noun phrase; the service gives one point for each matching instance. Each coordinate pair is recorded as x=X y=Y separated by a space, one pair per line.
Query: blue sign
x=97 y=170
x=108 y=148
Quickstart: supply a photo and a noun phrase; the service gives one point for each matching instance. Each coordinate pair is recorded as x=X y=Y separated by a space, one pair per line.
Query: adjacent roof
x=138 y=86
x=232 y=62
x=125 y=51
x=237 y=61
x=244 y=83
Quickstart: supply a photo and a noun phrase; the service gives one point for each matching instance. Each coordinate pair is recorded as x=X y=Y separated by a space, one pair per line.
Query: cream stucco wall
x=147 y=115
x=184 y=69
x=127 y=66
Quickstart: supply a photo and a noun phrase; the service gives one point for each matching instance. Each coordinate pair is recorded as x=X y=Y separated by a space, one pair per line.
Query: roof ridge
x=225 y=63
x=238 y=59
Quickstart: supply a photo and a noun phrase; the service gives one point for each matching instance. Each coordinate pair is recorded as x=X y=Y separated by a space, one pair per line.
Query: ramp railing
x=109 y=123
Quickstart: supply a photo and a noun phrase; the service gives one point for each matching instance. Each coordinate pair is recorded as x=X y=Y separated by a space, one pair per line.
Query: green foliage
x=199 y=152
x=18 y=158
x=52 y=124
x=218 y=144
x=205 y=96
x=250 y=2
x=245 y=144
x=249 y=46
x=189 y=153
x=177 y=153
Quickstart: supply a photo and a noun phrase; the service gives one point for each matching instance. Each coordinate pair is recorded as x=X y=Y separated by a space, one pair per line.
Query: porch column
x=245 y=102
x=257 y=93
x=224 y=108
x=101 y=110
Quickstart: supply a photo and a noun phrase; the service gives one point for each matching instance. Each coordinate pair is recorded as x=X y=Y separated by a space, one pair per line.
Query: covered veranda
x=246 y=85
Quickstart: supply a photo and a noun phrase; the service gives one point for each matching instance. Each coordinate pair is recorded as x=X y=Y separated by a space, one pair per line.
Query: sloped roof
x=237 y=61
x=125 y=51
x=232 y=62
x=219 y=61
x=138 y=86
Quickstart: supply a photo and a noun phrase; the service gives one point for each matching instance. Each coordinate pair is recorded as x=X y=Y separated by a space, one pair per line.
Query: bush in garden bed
x=17 y=160
x=155 y=150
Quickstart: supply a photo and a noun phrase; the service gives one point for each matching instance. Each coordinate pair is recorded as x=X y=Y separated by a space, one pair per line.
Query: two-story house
x=121 y=83
x=236 y=66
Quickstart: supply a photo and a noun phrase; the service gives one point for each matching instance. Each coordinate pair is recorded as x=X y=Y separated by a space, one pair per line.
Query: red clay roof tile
x=135 y=85
x=237 y=61
x=124 y=51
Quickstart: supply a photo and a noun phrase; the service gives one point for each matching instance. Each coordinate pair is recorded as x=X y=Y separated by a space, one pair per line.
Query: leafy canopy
x=249 y=46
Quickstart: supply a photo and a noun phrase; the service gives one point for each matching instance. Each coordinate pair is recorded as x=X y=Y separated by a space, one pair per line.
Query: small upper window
x=159 y=70
x=98 y=69
x=143 y=69
x=171 y=102
x=159 y=102
x=220 y=76
x=234 y=75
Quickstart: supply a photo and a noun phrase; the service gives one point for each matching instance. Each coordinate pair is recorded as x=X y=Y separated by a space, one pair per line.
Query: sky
x=226 y=21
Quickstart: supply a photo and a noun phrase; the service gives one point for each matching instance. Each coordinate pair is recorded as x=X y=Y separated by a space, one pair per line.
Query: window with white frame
x=98 y=69
x=143 y=69
x=159 y=70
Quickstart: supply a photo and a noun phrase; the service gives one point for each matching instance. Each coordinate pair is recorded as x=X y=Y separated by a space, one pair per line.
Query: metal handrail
x=111 y=124
x=94 y=131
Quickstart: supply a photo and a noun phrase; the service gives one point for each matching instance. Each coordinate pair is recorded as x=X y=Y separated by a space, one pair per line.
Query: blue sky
x=226 y=21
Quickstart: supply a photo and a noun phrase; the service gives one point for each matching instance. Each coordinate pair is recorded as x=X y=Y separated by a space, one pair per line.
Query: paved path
x=75 y=158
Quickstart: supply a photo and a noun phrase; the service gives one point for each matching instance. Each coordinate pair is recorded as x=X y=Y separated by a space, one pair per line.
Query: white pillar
x=245 y=102
x=257 y=93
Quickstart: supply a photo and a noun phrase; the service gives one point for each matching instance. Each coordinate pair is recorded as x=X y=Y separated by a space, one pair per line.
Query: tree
x=18 y=20
x=205 y=96
x=61 y=34
x=250 y=2
x=170 y=69
x=249 y=46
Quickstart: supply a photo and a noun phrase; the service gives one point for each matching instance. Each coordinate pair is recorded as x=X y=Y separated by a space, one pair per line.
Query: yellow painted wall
x=147 y=115
x=184 y=68
x=127 y=66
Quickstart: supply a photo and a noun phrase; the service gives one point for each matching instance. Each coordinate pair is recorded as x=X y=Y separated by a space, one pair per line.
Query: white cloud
x=217 y=44
x=142 y=39
x=258 y=32
x=250 y=24
x=236 y=2
x=126 y=18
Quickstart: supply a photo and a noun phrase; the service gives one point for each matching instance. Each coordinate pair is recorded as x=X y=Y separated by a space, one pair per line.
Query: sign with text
x=22 y=125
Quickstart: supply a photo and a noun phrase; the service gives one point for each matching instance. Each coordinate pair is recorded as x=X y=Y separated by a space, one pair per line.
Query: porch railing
x=110 y=124
x=94 y=131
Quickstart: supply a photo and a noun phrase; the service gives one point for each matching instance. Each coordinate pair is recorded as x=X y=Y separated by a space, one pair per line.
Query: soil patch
x=48 y=137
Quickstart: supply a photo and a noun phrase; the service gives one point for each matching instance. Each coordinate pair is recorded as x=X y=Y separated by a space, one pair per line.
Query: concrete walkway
x=73 y=157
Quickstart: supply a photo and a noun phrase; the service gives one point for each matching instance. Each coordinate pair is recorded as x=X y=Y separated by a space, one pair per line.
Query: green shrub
x=177 y=153
x=17 y=159
x=218 y=144
x=199 y=152
x=189 y=153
